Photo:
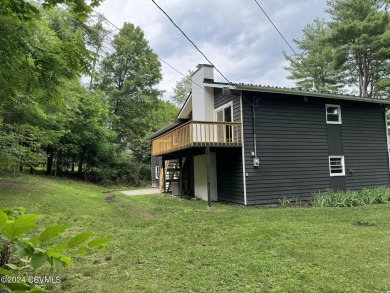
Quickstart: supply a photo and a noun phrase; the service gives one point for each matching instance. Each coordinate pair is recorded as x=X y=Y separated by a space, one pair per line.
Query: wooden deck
x=198 y=134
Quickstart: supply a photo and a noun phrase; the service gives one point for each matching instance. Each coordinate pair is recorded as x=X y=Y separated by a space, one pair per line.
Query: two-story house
x=252 y=144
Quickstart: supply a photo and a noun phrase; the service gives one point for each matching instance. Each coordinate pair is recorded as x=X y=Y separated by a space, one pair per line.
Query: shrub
x=123 y=170
x=351 y=198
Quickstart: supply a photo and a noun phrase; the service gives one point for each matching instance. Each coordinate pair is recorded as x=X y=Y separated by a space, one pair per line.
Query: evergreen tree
x=313 y=67
x=353 y=48
x=358 y=29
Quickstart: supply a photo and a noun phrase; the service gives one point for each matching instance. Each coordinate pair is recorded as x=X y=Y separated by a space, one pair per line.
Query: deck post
x=208 y=176
x=164 y=178
x=181 y=177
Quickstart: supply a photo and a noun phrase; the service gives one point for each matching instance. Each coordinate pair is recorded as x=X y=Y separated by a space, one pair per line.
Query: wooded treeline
x=77 y=96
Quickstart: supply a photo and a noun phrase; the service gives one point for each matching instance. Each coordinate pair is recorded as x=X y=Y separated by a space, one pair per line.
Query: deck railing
x=198 y=134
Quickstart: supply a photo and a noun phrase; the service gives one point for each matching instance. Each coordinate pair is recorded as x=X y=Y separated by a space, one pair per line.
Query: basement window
x=336 y=166
x=333 y=114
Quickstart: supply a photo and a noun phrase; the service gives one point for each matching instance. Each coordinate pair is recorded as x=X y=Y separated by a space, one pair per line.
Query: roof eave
x=185 y=105
x=163 y=130
x=255 y=88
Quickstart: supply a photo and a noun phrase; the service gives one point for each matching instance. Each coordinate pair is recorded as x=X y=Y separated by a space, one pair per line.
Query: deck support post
x=208 y=176
x=165 y=177
x=181 y=178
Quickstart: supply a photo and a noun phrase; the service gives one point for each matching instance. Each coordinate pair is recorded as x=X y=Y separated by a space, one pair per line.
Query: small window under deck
x=336 y=166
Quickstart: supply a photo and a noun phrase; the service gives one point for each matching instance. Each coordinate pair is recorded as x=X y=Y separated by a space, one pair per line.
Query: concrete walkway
x=142 y=191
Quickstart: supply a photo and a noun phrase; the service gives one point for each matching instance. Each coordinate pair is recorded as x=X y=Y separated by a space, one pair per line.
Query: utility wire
x=190 y=40
x=186 y=77
x=265 y=13
x=117 y=28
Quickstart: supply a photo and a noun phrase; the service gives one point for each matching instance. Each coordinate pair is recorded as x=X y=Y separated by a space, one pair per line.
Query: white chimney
x=202 y=98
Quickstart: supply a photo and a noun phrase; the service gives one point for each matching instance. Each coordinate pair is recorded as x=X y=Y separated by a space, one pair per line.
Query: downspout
x=387 y=135
x=256 y=160
x=254 y=129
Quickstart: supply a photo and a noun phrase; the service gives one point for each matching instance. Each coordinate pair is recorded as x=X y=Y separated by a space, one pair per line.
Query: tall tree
x=355 y=44
x=313 y=67
x=95 y=36
x=162 y=114
x=26 y=10
x=182 y=89
x=358 y=28
x=128 y=77
x=42 y=55
x=35 y=61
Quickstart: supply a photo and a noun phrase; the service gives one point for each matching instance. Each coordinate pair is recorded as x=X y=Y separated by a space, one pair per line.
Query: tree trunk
x=81 y=161
x=60 y=163
x=73 y=165
x=80 y=170
x=50 y=157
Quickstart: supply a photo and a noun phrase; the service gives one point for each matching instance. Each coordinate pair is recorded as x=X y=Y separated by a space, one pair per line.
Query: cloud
x=235 y=35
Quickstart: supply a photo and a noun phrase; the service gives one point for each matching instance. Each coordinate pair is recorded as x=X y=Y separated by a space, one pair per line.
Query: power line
x=190 y=41
x=188 y=78
x=105 y=18
x=265 y=13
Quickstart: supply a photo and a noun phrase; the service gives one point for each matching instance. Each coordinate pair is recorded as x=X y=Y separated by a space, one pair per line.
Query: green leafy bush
x=20 y=253
x=352 y=198
x=122 y=170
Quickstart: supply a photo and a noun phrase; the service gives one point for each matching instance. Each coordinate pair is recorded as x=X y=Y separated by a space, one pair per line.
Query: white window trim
x=229 y=104
x=326 y=114
x=342 y=163
x=156 y=172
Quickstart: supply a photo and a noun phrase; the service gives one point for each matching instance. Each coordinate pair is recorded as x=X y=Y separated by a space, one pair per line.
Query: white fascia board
x=186 y=109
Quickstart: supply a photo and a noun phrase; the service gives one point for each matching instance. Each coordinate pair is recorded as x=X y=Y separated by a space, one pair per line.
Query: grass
x=163 y=244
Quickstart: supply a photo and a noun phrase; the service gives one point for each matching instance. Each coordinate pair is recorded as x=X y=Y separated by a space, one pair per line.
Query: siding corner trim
x=243 y=151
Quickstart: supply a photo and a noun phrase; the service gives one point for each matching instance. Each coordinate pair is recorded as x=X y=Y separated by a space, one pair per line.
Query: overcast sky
x=234 y=34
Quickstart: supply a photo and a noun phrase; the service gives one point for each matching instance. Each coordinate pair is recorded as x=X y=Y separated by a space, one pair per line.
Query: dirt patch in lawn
x=109 y=197
x=136 y=211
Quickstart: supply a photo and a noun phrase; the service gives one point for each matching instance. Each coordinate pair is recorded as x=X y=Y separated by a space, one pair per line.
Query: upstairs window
x=336 y=166
x=333 y=114
x=224 y=114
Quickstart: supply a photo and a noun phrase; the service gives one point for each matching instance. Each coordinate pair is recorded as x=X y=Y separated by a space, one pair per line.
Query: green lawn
x=163 y=244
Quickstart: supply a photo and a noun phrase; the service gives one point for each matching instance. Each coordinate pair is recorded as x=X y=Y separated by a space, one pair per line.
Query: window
x=157 y=172
x=225 y=114
x=336 y=166
x=333 y=114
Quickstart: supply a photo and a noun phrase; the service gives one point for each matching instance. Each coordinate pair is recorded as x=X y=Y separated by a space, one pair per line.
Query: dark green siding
x=293 y=146
x=335 y=147
x=229 y=160
x=229 y=175
x=222 y=99
x=365 y=145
